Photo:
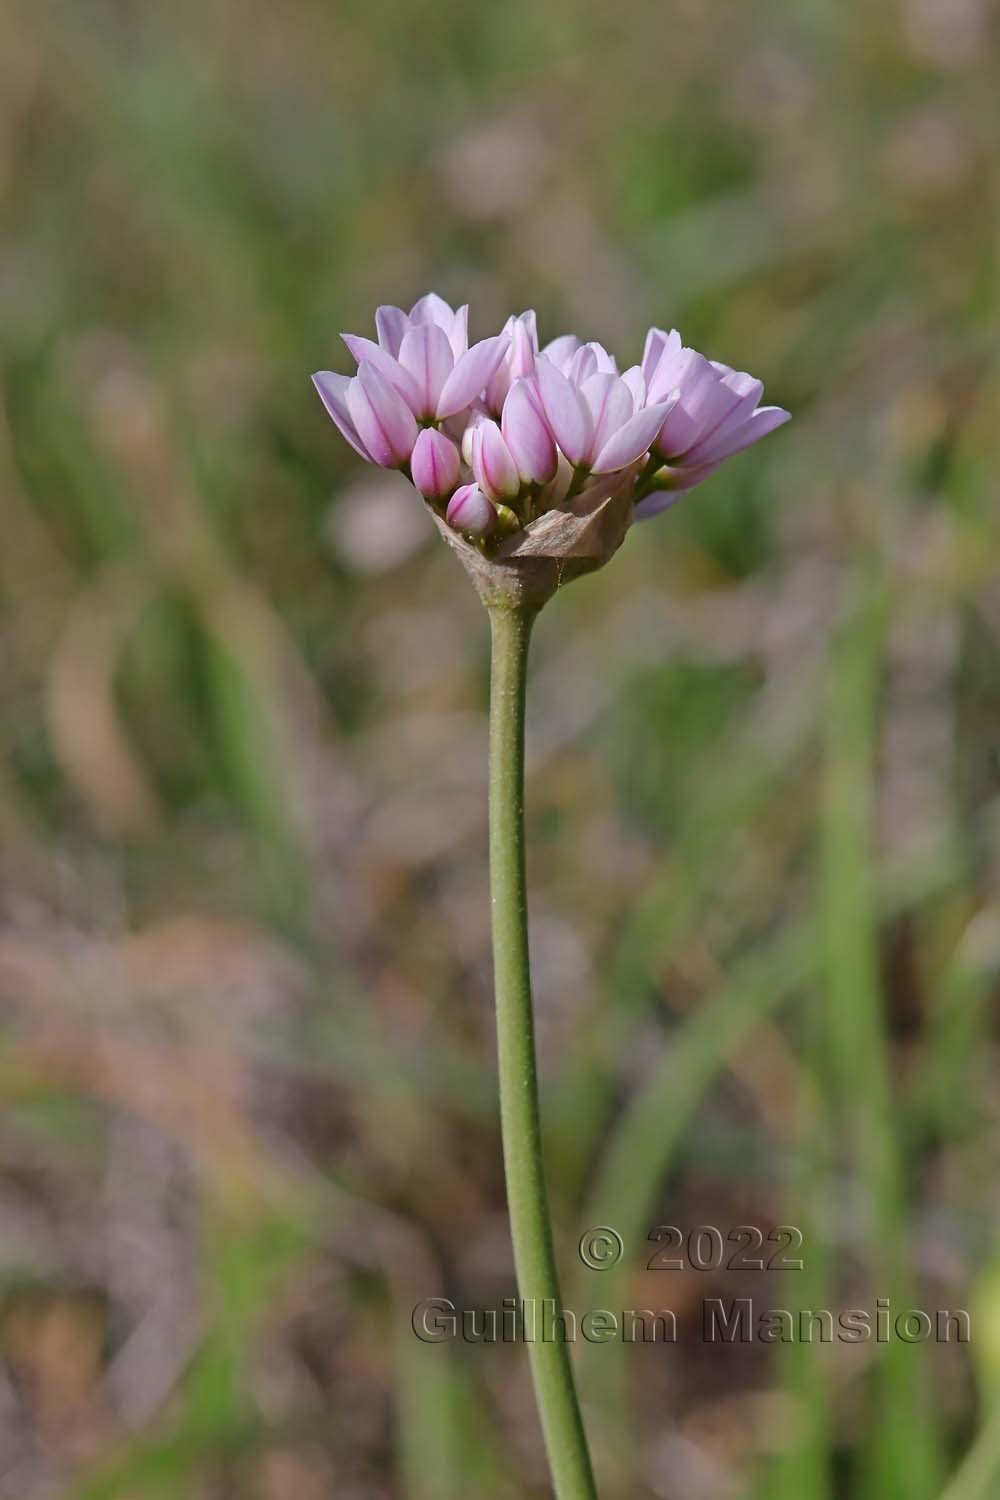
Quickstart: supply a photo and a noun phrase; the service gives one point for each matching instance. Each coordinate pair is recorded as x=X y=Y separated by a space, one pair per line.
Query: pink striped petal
x=611 y=405
x=704 y=396
x=723 y=445
x=432 y=309
x=631 y=441
x=659 y=345
x=470 y=375
x=492 y=463
x=390 y=325
x=434 y=464
x=652 y=349
x=566 y=413
x=495 y=392
x=426 y=355
x=606 y=362
x=531 y=444
x=390 y=369
x=743 y=384
x=670 y=369
x=381 y=417
x=582 y=365
x=687 y=423
x=519 y=360
x=743 y=408
x=469 y=510
x=458 y=334
x=529 y=318
x=561 y=350
x=332 y=390
x=523 y=346
x=636 y=383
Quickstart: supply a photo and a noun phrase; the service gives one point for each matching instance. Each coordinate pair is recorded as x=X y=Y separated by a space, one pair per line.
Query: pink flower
x=577 y=360
x=537 y=430
x=715 y=413
x=520 y=451
x=469 y=510
x=527 y=434
x=517 y=362
x=372 y=416
x=597 y=417
x=392 y=323
x=424 y=355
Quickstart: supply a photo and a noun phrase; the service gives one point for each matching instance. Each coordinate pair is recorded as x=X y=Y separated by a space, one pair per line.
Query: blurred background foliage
x=247 y=1075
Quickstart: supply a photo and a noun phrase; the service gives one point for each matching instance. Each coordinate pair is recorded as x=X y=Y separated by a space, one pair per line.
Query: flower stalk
x=527 y=1199
x=534 y=463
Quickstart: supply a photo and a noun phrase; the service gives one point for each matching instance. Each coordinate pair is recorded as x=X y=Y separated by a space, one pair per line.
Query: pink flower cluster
x=496 y=433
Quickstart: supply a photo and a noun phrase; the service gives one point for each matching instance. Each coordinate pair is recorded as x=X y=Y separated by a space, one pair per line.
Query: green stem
x=527 y=1202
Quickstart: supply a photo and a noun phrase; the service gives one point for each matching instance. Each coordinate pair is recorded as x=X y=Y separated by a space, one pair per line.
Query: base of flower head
x=534 y=461
x=525 y=568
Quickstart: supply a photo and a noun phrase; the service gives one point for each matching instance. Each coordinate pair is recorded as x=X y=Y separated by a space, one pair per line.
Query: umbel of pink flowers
x=496 y=434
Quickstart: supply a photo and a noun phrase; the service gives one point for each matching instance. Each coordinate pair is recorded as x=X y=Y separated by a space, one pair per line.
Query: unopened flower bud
x=434 y=464
x=494 y=468
x=471 y=511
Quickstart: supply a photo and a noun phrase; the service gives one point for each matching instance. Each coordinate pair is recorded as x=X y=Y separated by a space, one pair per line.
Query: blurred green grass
x=246 y=1061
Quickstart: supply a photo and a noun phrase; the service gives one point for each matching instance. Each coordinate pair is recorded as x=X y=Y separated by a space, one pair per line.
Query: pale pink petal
x=523 y=346
x=566 y=413
x=631 y=441
x=561 y=350
x=458 y=335
x=531 y=444
x=706 y=397
x=659 y=345
x=692 y=416
x=679 y=432
x=332 y=390
x=582 y=365
x=671 y=369
x=611 y=405
x=390 y=369
x=433 y=309
x=471 y=375
x=381 y=417
x=498 y=385
x=606 y=362
x=652 y=349
x=426 y=355
x=744 y=407
x=743 y=384
x=723 y=445
x=636 y=383
x=517 y=362
x=390 y=325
